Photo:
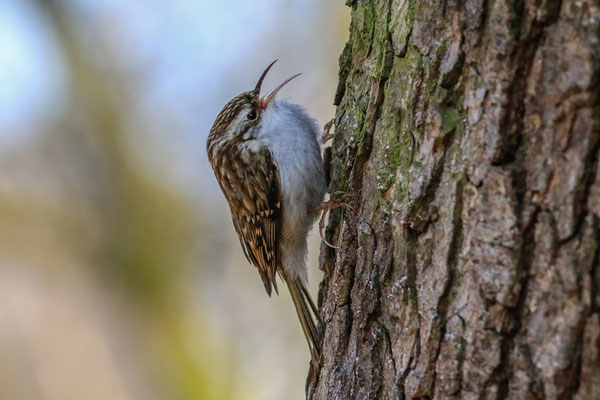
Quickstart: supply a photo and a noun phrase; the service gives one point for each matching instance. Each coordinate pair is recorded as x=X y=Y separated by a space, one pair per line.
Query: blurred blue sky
x=30 y=69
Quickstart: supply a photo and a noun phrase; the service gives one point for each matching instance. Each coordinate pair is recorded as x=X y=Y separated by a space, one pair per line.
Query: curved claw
x=321 y=233
x=328 y=205
x=327 y=135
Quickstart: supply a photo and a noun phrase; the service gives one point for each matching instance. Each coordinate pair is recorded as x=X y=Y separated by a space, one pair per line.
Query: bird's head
x=240 y=119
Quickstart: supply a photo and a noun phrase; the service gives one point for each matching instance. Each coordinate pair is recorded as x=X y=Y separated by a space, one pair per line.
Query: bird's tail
x=304 y=305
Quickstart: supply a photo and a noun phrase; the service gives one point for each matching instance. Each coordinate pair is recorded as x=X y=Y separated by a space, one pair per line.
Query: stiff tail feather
x=302 y=302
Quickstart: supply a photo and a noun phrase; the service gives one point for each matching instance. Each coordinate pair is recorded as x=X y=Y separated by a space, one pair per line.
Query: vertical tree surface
x=468 y=133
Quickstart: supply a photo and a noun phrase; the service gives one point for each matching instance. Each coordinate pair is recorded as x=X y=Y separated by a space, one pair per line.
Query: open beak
x=265 y=101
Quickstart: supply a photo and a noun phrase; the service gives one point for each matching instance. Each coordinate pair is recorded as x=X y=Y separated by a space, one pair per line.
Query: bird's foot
x=337 y=199
x=327 y=135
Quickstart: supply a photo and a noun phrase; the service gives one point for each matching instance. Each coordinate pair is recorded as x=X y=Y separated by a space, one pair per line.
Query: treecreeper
x=266 y=156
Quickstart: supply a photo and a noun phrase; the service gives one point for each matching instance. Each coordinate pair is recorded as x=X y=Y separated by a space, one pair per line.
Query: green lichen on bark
x=468 y=133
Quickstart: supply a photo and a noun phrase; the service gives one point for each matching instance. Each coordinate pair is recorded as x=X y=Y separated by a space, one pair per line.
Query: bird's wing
x=257 y=213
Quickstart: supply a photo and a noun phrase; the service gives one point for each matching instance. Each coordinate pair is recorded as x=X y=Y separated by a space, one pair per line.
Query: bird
x=266 y=156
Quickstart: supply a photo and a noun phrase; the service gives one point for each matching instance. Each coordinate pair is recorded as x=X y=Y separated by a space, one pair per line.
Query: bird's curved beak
x=264 y=101
x=261 y=79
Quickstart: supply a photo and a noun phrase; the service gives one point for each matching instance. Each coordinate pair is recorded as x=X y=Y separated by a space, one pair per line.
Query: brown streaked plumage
x=253 y=192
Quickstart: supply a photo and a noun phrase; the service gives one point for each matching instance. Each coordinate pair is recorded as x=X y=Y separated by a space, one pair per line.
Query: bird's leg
x=336 y=200
x=326 y=131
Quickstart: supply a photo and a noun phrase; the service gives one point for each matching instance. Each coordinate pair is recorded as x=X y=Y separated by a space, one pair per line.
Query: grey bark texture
x=468 y=133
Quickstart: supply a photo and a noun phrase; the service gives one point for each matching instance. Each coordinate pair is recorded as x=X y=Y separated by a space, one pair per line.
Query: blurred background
x=120 y=273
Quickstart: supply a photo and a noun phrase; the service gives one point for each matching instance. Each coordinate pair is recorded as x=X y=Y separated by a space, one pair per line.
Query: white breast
x=290 y=133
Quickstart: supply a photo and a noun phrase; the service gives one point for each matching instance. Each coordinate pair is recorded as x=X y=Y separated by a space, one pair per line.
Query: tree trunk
x=468 y=133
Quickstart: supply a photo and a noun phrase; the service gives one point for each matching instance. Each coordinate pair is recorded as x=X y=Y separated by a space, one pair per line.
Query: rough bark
x=468 y=132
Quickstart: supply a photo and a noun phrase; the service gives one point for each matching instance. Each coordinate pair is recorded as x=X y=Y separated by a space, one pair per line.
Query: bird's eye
x=251 y=115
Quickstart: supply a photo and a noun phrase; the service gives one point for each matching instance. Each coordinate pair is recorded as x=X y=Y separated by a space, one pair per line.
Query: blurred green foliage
x=145 y=227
